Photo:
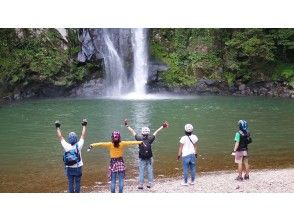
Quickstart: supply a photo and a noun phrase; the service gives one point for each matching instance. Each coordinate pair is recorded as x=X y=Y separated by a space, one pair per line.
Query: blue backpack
x=72 y=157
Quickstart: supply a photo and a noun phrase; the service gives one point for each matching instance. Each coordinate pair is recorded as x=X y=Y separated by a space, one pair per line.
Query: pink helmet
x=115 y=136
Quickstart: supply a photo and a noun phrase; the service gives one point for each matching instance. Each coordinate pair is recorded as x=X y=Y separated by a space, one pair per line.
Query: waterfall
x=125 y=57
x=140 y=70
x=116 y=77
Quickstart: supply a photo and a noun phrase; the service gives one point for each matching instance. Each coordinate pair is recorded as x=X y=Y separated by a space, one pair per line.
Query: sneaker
x=239 y=178
x=140 y=187
x=246 y=177
x=184 y=184
x=192 y=182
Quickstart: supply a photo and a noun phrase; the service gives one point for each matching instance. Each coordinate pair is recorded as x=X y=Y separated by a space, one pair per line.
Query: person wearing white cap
x=188 y=149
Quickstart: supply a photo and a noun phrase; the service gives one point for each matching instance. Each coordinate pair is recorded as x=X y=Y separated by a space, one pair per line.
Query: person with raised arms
x=116 y=151
x=72 y=157
x=145 y=152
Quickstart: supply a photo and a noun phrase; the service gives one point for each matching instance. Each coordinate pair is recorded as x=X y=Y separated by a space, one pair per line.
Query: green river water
x=31 y=155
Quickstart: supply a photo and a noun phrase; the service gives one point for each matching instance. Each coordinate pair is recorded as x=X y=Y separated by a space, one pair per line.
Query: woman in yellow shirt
x=116 y=151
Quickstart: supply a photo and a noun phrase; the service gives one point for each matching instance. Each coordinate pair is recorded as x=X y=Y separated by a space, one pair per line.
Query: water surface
x=31 y=155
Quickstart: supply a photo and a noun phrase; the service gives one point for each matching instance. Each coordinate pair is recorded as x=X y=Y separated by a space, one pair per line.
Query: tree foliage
x=30 y=57
x=227 y=54
x=39 y=57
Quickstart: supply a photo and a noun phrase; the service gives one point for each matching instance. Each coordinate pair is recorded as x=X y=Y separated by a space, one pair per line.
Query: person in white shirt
x=188 y=149
x=73 y=171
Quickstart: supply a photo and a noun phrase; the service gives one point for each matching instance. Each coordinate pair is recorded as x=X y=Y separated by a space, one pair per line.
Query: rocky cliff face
x=218 y=87
x=95 y=48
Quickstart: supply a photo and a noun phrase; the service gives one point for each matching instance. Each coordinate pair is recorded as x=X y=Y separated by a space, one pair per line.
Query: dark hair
x=115 y=135
x=188 y=133
x=116 y=144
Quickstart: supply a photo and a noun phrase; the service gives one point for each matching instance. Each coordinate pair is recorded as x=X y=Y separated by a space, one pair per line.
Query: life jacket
x=245 y=139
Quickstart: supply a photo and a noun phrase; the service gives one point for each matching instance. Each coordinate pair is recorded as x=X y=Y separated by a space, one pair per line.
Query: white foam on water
x=138 y=96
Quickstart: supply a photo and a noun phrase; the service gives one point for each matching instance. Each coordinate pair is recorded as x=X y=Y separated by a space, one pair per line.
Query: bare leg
x=240 y=168
x=246 y=168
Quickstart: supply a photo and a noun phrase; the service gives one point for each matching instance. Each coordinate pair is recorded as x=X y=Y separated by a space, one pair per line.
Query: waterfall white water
x=116 y=77
x=140 y=70
x=125 y=56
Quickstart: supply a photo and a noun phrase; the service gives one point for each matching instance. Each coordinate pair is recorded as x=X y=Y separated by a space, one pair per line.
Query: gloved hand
x=195 y=155
x=57 y=124
x=84 y=122
x=165 y=124
x=178 y=157
x=126 y=122
x=89 y=148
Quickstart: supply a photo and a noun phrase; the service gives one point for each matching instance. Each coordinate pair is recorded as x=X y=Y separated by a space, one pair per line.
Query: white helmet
x=188 y=128
x=145 y=131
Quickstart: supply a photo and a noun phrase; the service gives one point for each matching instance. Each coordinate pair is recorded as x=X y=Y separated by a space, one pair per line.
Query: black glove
x=84 y=122
x=89 y=148
x=57 y=124
x=195 y=155
x=178 y=157
x=126 y=122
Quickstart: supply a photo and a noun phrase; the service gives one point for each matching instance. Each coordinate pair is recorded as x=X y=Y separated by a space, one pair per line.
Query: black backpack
x=145 y=151
x=72 y=157
x=245 y=139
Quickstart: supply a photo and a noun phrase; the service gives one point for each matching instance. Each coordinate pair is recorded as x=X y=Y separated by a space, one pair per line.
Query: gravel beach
x=261 y=181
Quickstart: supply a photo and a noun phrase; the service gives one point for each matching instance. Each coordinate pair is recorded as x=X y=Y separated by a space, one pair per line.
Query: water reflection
x=140 y=117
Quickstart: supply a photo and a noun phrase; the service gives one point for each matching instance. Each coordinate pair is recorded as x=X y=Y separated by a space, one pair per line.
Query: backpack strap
x=77 y=147
x=190 y=140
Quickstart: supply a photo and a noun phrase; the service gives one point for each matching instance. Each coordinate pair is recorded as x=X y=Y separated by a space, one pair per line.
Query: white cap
x=188 y=128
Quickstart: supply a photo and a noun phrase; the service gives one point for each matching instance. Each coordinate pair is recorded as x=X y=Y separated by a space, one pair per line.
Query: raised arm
x=101 y=144
x=129 y=128
x=130 y=143
x=84 y=130
x=164 y=125
x=58 y=131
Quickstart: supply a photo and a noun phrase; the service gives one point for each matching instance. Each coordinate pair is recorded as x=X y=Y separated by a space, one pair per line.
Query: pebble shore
x=261 y=181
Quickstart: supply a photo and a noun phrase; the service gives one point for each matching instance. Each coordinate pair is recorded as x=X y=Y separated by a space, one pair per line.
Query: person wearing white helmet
x=145 y=152
x=72 y=157
x=188 y=149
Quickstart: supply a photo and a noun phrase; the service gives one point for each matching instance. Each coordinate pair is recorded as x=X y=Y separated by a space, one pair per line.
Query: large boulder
x=209 y=86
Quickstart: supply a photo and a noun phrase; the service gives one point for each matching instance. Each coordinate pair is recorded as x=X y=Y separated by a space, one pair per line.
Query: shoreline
x=11 y=100
x=261 y=181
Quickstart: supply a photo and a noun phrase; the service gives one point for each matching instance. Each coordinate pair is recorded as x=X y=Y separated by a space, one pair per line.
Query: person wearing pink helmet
x=116 y=151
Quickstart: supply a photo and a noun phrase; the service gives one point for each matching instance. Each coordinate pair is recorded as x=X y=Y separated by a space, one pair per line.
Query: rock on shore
x=261 y=181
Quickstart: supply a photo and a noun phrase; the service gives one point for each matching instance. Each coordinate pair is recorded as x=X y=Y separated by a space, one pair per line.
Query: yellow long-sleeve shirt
x=116 y=152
